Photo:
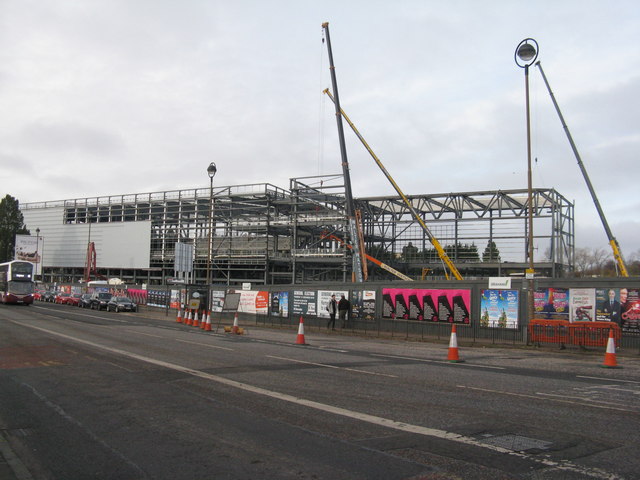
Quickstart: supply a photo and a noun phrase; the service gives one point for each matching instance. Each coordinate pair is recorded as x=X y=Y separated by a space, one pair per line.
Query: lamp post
x=37 y=251
x=525 y=55
x=211 y=171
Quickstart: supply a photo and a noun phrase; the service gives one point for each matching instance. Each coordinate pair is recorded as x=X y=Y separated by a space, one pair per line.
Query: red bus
x=16 y=282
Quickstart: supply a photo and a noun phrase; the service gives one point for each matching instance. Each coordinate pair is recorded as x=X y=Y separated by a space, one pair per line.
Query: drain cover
x=516 y=443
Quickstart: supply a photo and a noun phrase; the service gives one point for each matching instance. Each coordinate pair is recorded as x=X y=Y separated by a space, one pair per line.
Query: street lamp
x=211 y=171
x=525 y=55
x=37 y=252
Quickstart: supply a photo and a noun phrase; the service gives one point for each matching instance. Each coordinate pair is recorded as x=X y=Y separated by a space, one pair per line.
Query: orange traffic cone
x=196 y=322
x=203 y=322
x=453 y=356
x=300 y=339
x=179 y=317
x=188 y=322
x=207 y=324
x=610 y=355
x=235 y=324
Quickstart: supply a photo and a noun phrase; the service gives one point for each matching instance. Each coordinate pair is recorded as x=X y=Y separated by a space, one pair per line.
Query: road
x=98 y=395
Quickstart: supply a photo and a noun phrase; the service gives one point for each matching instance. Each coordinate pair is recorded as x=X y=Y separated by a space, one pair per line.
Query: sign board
x=499 y=283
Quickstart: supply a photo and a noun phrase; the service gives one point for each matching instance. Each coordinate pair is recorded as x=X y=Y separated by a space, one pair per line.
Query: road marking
x=539 y=396
x=204 y=345
x=607 y=379
x=364 y=417
x=426 y=360
x=332 y=366
x=145 y=334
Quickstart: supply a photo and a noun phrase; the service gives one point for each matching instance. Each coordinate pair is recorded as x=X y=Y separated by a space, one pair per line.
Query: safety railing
x=586 y=334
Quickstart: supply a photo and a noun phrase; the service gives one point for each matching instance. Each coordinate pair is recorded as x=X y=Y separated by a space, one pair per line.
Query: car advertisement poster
x=363 y=305
x=551 y=303
x=304 y=302
x=452 y=306
x=499 y=308
x=324 y=296
x=582 y=304
x=280 y=304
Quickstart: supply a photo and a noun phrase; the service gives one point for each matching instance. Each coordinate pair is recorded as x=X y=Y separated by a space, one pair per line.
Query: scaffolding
x=264 y=234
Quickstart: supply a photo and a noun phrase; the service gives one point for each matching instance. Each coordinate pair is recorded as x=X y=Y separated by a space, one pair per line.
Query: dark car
x=48 y=296
x=85 y=301
x=99 y=300
x=121 y=304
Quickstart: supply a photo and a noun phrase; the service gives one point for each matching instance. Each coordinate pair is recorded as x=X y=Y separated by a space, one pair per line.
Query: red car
x=73 y=300
x=61 y=298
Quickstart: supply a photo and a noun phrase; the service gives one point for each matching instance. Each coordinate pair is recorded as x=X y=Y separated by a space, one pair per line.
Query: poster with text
x=551 y=303
x=582 y=304
x=499 y=308
x=253 y=302
x=324 y=296
x=630 y=310
x=452 y=306
x=608 y=306
x=363 y=305
x=304 y=302
x=217 y=300
x=280 y=304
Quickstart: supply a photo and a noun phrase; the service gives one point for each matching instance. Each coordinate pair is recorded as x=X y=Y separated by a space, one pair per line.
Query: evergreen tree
x=11 y=223
x=491 y=252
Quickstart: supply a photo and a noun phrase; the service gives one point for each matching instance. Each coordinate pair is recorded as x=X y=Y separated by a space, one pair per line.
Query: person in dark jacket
x=332 y=308
x=343 y=310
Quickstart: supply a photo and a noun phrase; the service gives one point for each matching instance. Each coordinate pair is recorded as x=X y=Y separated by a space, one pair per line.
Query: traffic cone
x=300 y=339
x=235 y=324
x=196 y=322
x=207 y=325
x=610 y=355
x=188 y=322
x=179 y=317
x=203 y=322
x=453 y=356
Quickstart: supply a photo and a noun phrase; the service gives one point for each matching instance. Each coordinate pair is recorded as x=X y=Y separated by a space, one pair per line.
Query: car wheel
x=117 y=309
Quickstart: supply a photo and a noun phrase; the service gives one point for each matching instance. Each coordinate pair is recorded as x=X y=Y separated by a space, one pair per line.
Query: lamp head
x=526 y=52
x=211 y=170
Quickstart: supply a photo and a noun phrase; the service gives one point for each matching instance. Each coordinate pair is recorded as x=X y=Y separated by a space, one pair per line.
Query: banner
x=499 y=308
x=363 y=305
x=324 y=296
x=304 y=302
x=582 y=304
x=254 y=302
x=551 y=303
x=28 y=248
x=280 y=304
x=452 y=306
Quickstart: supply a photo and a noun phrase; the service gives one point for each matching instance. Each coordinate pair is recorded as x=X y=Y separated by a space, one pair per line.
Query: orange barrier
x=586 y=334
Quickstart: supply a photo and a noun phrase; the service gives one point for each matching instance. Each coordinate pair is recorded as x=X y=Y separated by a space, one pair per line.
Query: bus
x=16 y=282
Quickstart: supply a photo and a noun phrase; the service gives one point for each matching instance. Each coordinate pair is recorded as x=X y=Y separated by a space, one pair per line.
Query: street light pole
x=37 y=252
x=211 y=171
x=525 y=55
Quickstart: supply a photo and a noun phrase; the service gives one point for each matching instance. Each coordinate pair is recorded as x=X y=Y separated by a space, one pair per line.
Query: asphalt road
x=97 y=395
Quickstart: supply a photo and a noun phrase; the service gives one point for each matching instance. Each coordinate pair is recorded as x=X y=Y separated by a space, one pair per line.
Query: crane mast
x=353 y=230
x=617 y=254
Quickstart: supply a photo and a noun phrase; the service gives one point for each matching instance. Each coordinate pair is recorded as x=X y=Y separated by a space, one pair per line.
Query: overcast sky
x=105 y=97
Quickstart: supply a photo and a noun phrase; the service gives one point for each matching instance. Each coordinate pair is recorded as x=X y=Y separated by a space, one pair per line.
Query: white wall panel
x=118 y=244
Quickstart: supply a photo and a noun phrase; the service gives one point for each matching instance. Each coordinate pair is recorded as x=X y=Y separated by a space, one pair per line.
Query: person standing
x=332 y=308
x=343 y=310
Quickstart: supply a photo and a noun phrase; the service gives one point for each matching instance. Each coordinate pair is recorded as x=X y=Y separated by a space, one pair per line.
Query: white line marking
x=364 y=417
x=607 y=379
x=203 y=344
x=426 y=360
x=332 y=366
x=145 y=334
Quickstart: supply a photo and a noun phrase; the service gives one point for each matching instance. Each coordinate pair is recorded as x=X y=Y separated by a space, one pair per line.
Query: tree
x=491 y=252
x=11 y=223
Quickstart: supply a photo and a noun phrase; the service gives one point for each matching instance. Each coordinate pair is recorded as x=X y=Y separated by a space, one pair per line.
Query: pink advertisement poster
x=452 y=306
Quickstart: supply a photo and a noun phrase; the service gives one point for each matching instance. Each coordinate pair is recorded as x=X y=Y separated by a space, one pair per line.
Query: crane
x=382 y=265
x=617 y=254
x=434 y=241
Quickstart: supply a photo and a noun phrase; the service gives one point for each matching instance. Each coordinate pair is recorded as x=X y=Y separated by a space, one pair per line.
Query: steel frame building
x=264 y=234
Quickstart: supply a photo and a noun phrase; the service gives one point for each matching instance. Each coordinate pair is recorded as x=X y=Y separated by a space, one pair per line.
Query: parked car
x=121 y=304
x=99 y=300
x=48 y=296
x=61 y=298
x=74 y=299
x=85 y=300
